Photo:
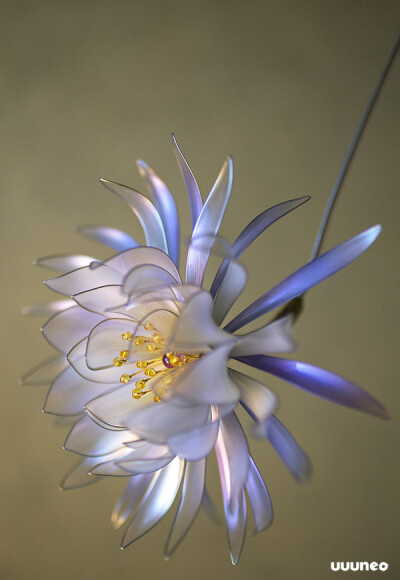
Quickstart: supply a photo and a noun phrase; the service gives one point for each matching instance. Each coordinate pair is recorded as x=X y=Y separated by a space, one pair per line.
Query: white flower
x=144 y=360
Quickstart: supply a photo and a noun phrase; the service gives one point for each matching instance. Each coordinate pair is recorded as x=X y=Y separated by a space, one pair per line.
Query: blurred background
x=89 y=87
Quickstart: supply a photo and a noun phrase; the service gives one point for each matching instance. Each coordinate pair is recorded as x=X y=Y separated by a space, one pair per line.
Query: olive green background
x=88 y=87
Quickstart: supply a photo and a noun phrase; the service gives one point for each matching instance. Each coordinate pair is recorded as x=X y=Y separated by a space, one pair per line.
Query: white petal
x=101 y=300
x=44 y=372
x=77 y=359
x=230 y=289
x=147 y=278
x=157 y=501
x=78 y=475
x=274 y=338
x=66 y=328
x=84 y=279
x=196 y=444
x=259 y=499
x=111 y=237
x=47 y=308
x=124 y=262
x=88 y=438
x=130 y=498
x=258 y=399
x=64 y=262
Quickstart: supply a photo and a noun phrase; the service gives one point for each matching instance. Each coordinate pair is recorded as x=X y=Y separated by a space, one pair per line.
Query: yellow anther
x=124 y=354
x=140 y=384
x=125 y=379
x=118 y=361
x=142 y=364
x=149 y=326
x=150 y=372
x=175 y=359
x=157 y=337
x=151 y=347
x=139 y=341
x=127 y=336
x=136 y=394
x=156 y=399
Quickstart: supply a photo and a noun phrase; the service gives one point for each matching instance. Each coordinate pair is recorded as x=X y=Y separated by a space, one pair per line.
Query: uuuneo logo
x=359 y=566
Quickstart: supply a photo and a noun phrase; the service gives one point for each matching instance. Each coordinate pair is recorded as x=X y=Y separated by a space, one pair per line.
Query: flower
x=144 y=371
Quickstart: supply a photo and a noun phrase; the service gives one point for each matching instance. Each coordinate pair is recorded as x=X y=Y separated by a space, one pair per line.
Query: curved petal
x=208 y=222
x=196 y=444
x=64 y=262
x=47 y=308
x=156 y=502
x=111 y=237
x=130 y=498
x=258 y=400
x=189 y=504
x=319 y=382
x=136 y=466
x=231 y=287
x=124 y=262
x=306 y=277
x=44 y=373
x=87 y=438
x=273 y=338
x=101 y=300
x=78 y=475
x=77 y=359
x=145 y=211
x=147 y=278
x=259 y=499
x=286 y=447
x=69 y=393
x=66 y=328
x=84 y=279
x=193 y=191
x=165 y=205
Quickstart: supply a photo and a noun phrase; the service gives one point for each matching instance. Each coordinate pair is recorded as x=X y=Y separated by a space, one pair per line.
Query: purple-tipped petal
x=193 y=191
x=319 y=382
x=259 y=499
x=306 y=277
x=111 y=237
x=189 y=504
x=165 y=205
x=145 y=211
x=286 y=447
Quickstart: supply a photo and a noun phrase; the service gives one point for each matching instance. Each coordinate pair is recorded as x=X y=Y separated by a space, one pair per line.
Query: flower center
x=152 y=368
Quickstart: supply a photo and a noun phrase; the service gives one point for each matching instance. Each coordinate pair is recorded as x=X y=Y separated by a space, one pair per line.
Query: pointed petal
x=156 y=502
x=77 y=359
x=87 y=438
x=66 y=328
x=47 y=308
x=272 y=338
x=64 y=262
x=306 y=277
x=208 y=223
x=84 y=279
x=230 y=289
x=44 y=372
x=111 y=237
x=258 y=400
x=124 y=262
x=319 y=382
x=145 y=211
x=193 y=191
x=259 y=499
x=101 y=300
x=130 y=498
x=189 y=504
x=286 y=447
x=165 y=205
x=78 y=475
x=195 y=445
x=147 y=278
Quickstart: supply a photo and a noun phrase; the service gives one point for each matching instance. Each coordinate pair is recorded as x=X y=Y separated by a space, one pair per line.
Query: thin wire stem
x=350 y=153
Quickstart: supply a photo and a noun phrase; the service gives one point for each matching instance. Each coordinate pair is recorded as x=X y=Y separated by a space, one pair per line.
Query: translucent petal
x=84 y=279
x=108 y=465
x=206 y=380
x=272 y=338
x=319 y=382
x=124 y=262
x=111 y=237
x=88 y=438
x=306 y=277
x=189 y=504
x=233 y=460
x=77 y=359
x=66 y=328
x=286 y=447
x=105 y=343
x=156 y=502
x=47 y=308
x=236 y=525
x=197 y=444
x=195 y=328
x=165 y=205
x=136 y=466
x=230 y=289
x=259 y=499
x=44 y=373
x=255 y=397
x=208 y=222
x=64 y=262
x=145 y=211
x=116 y=406
x=69 y=393
x=78 y=475
x=130 y=498
x=101 y=300
x=209 y=508
x=193 y=191
x=147 y=278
